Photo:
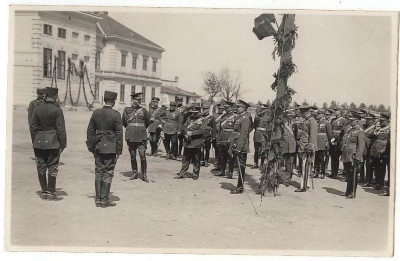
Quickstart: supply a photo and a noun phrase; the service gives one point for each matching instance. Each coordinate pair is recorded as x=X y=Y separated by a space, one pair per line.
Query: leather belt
x=136 y=124
x=261 y=129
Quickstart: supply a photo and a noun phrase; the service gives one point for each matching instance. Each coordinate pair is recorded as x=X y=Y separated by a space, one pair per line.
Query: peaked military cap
x=242 y=103
x=386 y=115
x=50 y=91
x=314 y=107
x=195 y=108
x=137 y=96
x=40 y=90
x=305 y=106
x=110 y=95
x=156 y=99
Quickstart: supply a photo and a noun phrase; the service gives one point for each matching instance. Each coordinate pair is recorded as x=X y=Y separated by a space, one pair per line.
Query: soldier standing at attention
x=209 y=135
x=338 y=125
x=105 y=141
x=183 y=117
x=369 y=168
x=172 y=119
x=34 y=103
x=239 y=146
x=353 y=149
x=49 y=139
x=260 y=133
x=218 y=116
x=307 y=144
x=155 y=126
x=324 y=135
x=289 y=146
x=136 y=120
x=193 y=132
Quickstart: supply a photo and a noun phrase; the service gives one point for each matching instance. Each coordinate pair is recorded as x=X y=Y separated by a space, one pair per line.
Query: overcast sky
x=341 y=58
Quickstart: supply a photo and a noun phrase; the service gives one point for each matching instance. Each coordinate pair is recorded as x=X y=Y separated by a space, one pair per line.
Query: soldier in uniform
x=218 y=116
x=34 y=103
x=172 y=119
x=297 y=131
x=308 y=135
x=49 y=139
x=260 y=132
x=289 y=147
x=338 y=125
x=226 y=129
x=193 y=131
x=353 y=148
x=239 y=145
x=136 y=119
x=105 y=141
x=209 y=135
x=369 y=168
x=154 y=129
x=324 y=135
x=183 y=117
x=380 y=149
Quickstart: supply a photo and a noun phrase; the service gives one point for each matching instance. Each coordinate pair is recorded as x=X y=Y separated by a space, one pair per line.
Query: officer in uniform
x=193 y=131
x=239 y=145
x=289 y=146
x=105 y=141
x=323 y=138
x=136 y=119
x=260 y=132
x=34 y=103
x=218 y=116
x=338 y=125
x=49 y=139
x=154 y=129
x=353 y=148
x=380 y=149
x=308 y=135
x=369 y=168
x=226 y=129
x=183 y=117
x=172 y=119
x=209 y=135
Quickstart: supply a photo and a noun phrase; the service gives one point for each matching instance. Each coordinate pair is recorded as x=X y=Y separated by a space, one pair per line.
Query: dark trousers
x=351 y=178
x=191 y=155
x=379 y=166
x=104 y=166
x=171 y=144
x=154 y=139
x=216 y=149
x=205 y=156
x=226 y=158
x=140 y=147
x=257 y=151
x=369 y=170
x=180 y=139
x=47 y=161
x=240 y=158
x=335 y=155
x=288 y=161
x=362 y=169
x=320 y=161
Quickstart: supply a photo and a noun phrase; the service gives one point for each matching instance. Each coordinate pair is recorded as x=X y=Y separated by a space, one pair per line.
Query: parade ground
x=183 y=216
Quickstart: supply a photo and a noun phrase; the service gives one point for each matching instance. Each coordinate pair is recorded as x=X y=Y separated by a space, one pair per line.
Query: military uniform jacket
x=260 y=128
x=218 y=120
x=156 y=115
x=239 y=140
x=31 y=108
x=324 y=134
x=183 y=115
x=338 y=126
x=48 y=127
x=227 y=124
x=353 y=144
x=210 y=131
x=308 y=134
x=193 y=130
x=172 y=122
x=289 y=141
x=105 y=130
x=136 y=121
x=368 y=141
x=380 y=139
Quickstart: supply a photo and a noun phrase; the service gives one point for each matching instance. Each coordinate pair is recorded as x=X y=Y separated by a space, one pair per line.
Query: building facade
x=170 y=92
x=43 y=37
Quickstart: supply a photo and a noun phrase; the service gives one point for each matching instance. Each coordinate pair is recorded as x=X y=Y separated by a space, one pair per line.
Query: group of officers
x=311 y=136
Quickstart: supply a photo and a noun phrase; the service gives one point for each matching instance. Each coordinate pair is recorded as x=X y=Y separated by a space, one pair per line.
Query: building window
x=153 y=92
x=133 y=89
x=96 y=91
x=134 y=61
x=74 y=56
x=61 y=65
x=87 y=38
x=144 y=94
x=123 y=60
x=62 y=33
x=144 y=63
x=47 y=62
x=154 y=66
x=122 y=93
x=97 y=62
x=86 y=59
x=75 y=35
x=47 y=29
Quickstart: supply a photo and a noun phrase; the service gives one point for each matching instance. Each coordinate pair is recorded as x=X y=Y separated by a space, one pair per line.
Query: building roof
x=178 y=91
x=112 y=28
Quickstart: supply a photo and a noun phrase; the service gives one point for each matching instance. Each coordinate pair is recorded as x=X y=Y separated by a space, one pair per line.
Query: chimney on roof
x=102 y=12
x=176 y=78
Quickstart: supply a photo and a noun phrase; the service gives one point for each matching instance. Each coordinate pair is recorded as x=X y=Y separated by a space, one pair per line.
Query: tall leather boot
x=43 y=186
x=144 y=170
x=134 y=169
x=105 y=192
x=98 y=185
x=52 y=187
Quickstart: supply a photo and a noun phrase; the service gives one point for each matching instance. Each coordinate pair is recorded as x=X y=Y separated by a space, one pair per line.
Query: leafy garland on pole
x=273 y=173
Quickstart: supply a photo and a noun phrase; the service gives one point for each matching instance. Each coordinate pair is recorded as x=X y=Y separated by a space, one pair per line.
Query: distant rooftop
x=178 y=91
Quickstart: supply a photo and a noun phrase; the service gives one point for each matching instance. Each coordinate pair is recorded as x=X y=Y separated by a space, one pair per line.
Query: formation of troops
x=312 y=137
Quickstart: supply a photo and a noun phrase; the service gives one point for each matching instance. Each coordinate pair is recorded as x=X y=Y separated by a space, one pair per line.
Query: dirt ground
x=184 y=216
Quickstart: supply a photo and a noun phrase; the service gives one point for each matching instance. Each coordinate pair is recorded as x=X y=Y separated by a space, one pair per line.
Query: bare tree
x=211 y=84
x=230 y=84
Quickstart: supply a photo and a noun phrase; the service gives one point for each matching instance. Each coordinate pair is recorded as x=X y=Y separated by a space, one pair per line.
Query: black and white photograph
x=201 y=131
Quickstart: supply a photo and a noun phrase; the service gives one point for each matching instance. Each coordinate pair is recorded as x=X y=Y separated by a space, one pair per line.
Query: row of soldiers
x=196 y=129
